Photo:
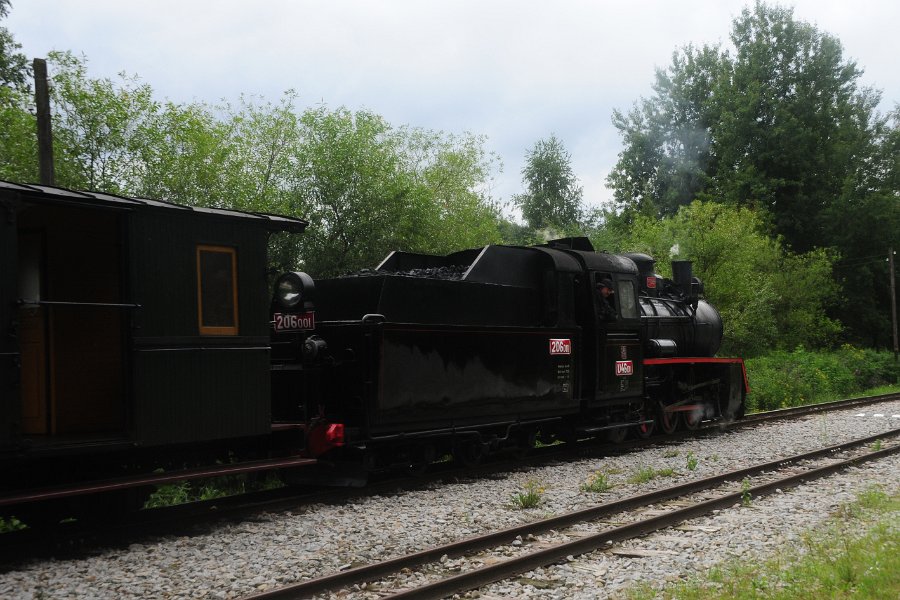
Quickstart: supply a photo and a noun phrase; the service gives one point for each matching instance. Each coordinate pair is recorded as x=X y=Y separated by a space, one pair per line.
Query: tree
x=668 y=160
x=100 y=128
x=780 y=125
x=553 y=197
x=795 y=125
x=368 y=188
x=768 y=296
x=14 y=69
x=450 y=178
x=18 y=141
x=185 y=158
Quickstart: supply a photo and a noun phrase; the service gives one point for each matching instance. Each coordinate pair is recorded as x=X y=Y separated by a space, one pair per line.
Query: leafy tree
x=18 y=137
x=450 y=178
x=350 y=185
x=795 y=125
x=780 y=125
x=668 y=159
x=368 y=188
x=768 y=297
x=185 y=157
x=553 y=197
x=100 y=129
x=18 y=143
x=14 y=69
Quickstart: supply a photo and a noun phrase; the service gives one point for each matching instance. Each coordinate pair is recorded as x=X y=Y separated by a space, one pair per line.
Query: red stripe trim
x=700 y=360
x=685 y=361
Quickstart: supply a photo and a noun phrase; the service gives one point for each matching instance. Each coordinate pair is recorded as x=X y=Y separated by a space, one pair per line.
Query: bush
x=783 y=379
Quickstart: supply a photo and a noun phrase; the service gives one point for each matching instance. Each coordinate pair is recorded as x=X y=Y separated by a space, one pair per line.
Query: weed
x=598 y=483
x=746 y=496
x=670 y=454
x=876 y=445
x=169 y=494
x=11 y=524
x=645 y=474
x=692 y=461
x=530 y=496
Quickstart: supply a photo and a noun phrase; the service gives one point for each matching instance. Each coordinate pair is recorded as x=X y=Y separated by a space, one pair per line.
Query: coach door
x=70 y=321
x=9 y=352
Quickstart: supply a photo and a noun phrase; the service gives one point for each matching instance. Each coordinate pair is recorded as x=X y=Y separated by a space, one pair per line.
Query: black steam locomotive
x=135 y=333
x=492 y=348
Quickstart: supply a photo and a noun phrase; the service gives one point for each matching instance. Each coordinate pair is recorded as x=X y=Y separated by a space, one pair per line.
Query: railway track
x=679 y=503
x=71 y=539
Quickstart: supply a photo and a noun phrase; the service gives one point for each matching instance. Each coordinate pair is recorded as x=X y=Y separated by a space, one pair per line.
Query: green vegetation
x=746 y=496
x=209 y=489
x=692 y=461
x=11 y=524
x=645 y=474
x=530 y=496
x=783 y=379
x=856 y=555
x=598 y=483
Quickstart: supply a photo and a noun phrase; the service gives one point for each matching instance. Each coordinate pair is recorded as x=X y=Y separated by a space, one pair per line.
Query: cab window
x=627 y=302
x=605 y=295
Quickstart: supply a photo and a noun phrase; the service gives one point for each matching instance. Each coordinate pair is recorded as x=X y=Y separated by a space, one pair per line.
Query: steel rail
x=817 y=408
x=377 y=570
x=490 y=574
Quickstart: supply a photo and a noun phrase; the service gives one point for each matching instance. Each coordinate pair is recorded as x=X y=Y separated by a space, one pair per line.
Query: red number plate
x=295 y=322
x=560 y=347
x=624 y=368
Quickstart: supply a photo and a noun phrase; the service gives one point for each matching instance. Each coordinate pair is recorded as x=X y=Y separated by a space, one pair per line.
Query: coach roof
x=56 y=195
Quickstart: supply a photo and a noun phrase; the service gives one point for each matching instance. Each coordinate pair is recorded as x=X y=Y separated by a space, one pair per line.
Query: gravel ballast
x=276 y=549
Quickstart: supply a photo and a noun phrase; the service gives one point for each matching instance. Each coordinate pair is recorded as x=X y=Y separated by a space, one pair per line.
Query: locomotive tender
x=135 y=331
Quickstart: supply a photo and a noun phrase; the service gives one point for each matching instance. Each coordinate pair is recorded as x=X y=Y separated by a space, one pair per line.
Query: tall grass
x=783 y=379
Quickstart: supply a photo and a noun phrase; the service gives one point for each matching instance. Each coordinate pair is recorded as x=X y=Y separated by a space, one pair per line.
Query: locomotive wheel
x=617 y=435
x=667 y=419
x=468 y=454
x=644 y=430
x=691 y=419
x=423 y=456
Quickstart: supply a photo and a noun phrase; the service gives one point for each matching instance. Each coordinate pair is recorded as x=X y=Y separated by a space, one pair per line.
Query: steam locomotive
x=496 y=347
x=136 y=333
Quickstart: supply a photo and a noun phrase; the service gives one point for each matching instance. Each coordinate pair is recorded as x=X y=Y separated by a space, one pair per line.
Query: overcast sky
x=515 y=71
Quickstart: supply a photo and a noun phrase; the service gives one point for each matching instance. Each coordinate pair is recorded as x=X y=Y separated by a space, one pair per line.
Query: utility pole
x=44 y=132
x=893 y=298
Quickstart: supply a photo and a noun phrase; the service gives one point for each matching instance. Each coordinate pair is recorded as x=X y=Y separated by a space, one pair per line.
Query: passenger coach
x=130 y=322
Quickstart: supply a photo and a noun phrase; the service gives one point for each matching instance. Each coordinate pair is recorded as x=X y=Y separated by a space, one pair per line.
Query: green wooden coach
x=127 y=321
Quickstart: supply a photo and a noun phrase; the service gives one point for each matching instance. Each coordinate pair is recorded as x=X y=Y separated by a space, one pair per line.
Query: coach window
x=217 y=290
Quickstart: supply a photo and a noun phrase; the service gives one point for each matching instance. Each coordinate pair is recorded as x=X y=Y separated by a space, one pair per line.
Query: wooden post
x=44 y=130
x=893 y=298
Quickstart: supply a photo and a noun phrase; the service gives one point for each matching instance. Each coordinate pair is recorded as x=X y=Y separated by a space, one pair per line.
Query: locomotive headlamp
x=293 y=288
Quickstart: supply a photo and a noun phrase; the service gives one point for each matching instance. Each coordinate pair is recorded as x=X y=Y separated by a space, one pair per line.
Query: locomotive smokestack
x=682 y=273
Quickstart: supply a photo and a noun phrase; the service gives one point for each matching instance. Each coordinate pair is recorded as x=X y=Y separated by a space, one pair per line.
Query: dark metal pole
x=44 y=130
x=893 y=298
